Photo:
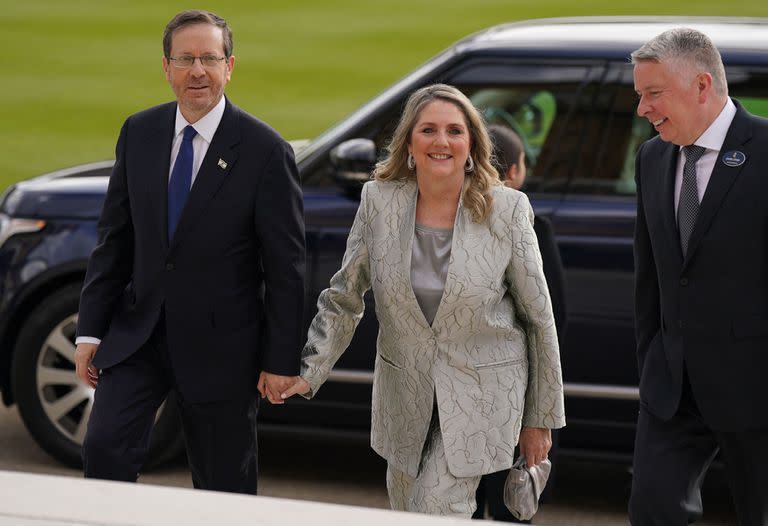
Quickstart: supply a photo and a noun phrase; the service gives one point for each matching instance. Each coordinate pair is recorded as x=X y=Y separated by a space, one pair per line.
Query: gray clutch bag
x=524 y=486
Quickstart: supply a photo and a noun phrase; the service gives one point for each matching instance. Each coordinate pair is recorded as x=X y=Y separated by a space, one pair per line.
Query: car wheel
x=54 y=404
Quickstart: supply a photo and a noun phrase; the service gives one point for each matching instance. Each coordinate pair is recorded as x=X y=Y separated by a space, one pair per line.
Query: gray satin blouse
x=429 y=267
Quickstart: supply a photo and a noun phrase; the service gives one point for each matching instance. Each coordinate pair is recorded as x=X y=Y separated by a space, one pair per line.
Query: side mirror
x=353 y=162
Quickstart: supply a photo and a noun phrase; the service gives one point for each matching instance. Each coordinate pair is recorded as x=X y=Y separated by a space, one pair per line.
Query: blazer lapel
x=458 y=238
x=407 y=232
x=217 y=163
x=669 y=167
x=156 y=164
x=721 y=180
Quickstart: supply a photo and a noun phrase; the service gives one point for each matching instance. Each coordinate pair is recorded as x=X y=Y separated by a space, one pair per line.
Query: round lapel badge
x=734 y=158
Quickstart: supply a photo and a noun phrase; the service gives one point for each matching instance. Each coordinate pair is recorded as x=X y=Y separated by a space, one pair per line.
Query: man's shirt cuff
x=87 y=339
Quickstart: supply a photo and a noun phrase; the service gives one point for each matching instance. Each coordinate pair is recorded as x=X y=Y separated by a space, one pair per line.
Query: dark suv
x=564 y=85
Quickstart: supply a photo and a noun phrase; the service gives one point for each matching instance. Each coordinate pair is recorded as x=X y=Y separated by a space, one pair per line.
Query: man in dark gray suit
x=701 y=258
x=196 y=283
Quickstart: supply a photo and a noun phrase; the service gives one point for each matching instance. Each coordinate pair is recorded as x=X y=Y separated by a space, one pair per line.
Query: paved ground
x=318 y=469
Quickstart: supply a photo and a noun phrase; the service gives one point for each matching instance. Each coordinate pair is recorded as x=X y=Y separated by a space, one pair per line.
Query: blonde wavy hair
x=476 y=191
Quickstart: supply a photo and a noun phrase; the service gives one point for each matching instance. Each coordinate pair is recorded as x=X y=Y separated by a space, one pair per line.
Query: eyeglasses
x=187 y=61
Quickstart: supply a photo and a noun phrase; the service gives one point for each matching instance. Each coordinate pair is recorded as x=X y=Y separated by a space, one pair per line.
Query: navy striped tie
x=688 y=206
x=181 y=180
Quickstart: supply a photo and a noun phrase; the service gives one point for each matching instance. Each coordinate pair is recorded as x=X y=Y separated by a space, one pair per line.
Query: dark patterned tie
x=181 y=180
x=688 y=207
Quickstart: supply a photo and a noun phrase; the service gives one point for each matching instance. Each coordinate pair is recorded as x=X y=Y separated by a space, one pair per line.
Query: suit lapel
x=444 y=309
x=669 y=164
x=217 y=163
x=721 y=180
x=407 y=232
x=157 y=142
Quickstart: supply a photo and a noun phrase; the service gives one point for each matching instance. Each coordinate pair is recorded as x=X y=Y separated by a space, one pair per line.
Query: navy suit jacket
x=707 y=312
x=231 y=281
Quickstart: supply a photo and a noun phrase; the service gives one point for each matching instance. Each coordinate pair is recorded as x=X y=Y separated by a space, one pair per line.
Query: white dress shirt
x=712 y=139
x=205 y=128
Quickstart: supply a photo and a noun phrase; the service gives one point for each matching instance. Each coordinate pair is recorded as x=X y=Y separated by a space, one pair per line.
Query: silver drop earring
x=411 y=162
x=470 y=165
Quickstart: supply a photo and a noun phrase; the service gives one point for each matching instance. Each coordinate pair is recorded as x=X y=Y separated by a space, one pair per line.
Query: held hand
x=534 y=444
x=300 y=386
x=84 y=354
x=272 y=385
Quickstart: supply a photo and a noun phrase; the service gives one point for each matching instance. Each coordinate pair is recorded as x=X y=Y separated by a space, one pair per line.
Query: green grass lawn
x=73 y=70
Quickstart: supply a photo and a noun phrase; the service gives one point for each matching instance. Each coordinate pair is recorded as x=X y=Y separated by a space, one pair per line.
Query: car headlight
x=10 y=226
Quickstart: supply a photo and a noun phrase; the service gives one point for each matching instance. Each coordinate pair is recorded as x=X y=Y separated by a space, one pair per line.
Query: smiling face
x=198 y=89
x=675 y=99
x=440 y=141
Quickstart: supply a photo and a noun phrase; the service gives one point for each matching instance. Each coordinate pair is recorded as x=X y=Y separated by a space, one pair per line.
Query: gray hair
x=690 y=46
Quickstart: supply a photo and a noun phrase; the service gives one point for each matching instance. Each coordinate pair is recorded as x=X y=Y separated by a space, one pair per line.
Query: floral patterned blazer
x=490 y=357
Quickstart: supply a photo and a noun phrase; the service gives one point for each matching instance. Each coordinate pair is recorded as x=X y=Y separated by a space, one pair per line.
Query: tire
x=54 y=404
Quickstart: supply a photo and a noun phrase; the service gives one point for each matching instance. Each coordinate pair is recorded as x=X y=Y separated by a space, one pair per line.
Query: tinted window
x=607 y=166
x=548 y=105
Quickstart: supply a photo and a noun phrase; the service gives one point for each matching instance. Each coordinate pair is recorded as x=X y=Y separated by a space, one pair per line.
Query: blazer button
x=169 y=266
x=684 y=282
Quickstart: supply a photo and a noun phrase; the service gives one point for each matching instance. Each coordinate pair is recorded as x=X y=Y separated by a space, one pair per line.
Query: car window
x=609 y=164
x=528 y=112
x=606 y=166
x=548 y=106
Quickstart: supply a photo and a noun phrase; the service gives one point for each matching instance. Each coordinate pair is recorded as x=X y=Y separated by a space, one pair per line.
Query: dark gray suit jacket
x=707 y=312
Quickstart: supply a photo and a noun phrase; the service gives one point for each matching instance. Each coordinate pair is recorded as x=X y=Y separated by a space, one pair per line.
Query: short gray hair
x=689 y=45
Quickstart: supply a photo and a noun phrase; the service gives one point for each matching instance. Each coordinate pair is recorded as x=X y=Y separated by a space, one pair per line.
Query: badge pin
x=734 y=158
x=222 y=164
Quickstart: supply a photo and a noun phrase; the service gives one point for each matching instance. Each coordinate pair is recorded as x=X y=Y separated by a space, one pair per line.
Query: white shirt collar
x=714 y=136
x=205 y=127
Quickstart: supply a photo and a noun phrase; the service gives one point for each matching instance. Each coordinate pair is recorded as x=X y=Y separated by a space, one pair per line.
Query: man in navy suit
x=196 y=283
x=701 y=264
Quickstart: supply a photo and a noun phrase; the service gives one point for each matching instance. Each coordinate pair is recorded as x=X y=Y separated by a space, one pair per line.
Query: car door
x=595 y=227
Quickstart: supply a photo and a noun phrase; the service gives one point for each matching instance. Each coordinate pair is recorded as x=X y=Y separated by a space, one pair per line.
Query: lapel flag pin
x=734 y=158
x=222 y=164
